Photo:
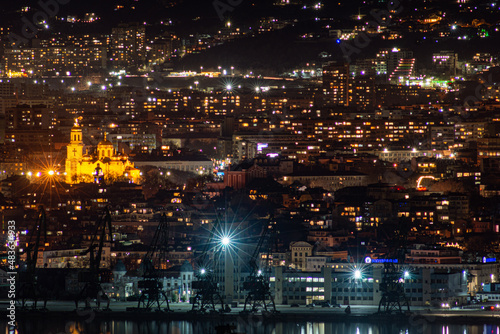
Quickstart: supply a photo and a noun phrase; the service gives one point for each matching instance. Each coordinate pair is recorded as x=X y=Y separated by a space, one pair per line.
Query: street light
x=225 y=241
x=203 y=271
x=357 y=274
x=406 y=275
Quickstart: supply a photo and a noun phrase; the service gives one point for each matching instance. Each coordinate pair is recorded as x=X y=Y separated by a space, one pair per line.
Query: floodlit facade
x=104 y=165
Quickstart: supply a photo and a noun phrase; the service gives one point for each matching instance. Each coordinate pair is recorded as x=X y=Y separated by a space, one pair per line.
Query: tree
x=153 y=181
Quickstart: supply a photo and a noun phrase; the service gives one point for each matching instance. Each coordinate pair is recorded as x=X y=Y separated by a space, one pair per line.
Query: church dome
x=120 y=266
x=105 y=142
x=76 y=126
x=186 y=266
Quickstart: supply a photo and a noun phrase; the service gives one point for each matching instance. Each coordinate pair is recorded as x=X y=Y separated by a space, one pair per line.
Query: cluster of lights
x=49 y=172
x=224 y=242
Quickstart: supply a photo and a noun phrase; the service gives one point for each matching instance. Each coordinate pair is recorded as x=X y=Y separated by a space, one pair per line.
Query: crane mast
x=394 y=299
x=152 y=293
x=29 y=287
x=259 y=292
x=93 y=277
x=207 y=288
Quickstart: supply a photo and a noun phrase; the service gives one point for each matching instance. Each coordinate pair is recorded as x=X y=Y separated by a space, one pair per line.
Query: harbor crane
x=152 y=293
x=259 y=293
x=207 y=288
x=94 y=276
x=29 y=287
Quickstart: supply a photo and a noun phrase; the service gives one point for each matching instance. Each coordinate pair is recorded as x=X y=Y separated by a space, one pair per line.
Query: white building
x=196 y=165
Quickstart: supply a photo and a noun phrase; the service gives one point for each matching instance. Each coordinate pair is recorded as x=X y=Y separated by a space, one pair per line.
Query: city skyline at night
x=207 y=156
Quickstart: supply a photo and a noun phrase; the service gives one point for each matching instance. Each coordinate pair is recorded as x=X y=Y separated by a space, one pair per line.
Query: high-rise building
x=392 y=58
x=403 y=71
x=128 y=44
x=371 y=66
x=336 y=83
x=445 y=62
x=28 y=117
x=357 y=91
x=361 y=93
x=76 y=55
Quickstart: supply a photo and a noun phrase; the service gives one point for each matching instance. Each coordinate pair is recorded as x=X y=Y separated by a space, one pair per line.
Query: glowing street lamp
x=357 y=274
x=51 y=172
x=406 y=274
x=203 y=271
x=225 y=241
x=229 y=87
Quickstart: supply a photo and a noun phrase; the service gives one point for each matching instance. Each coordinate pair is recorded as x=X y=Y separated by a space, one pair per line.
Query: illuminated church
x=105 y=165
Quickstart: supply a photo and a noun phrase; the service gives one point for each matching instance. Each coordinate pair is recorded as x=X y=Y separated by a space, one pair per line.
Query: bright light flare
x=406 y=274
x=51 y=172
x=357 y=274
x=203 y=271
x=225 y=241
x=229 y=87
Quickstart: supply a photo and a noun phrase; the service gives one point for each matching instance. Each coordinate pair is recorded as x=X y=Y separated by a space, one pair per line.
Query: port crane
x=152 y=293
x=29 y=287
x=394 y=300
x=259 y=293
x=207 y=288
x=94 y=276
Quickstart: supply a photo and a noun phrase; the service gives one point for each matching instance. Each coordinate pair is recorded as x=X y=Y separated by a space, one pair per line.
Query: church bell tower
x=74 y=154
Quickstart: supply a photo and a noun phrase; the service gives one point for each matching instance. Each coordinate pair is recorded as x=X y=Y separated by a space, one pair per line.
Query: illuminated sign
x=370 y=260
x=489 y=259
x=260 y=146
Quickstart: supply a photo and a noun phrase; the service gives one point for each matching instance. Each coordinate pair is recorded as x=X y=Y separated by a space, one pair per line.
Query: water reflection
x=51 y=326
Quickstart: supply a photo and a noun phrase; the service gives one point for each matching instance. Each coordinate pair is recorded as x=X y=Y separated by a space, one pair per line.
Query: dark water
x=420 y=326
